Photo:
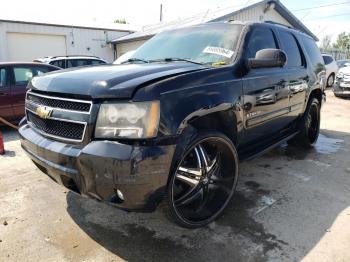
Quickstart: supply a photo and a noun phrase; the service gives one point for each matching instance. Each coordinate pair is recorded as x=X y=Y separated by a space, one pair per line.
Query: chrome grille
x=66 y=118
x=61 y=103
x=56 y=128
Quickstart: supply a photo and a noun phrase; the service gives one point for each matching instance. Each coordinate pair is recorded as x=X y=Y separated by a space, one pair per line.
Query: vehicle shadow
x=284 y=204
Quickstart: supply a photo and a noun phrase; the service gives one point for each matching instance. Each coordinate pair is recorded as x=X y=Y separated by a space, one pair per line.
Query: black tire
x=309 y=128
x=202 y=180
x=330 y=80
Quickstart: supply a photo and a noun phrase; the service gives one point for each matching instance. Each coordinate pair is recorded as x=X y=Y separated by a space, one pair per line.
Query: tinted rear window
x=291 y=48
x=313 y=53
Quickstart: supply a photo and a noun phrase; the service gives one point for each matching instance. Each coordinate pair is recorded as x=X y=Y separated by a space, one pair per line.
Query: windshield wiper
x=131 y=60
x=176 y=59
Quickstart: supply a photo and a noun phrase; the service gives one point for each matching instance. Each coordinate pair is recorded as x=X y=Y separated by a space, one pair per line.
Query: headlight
x=128 y=120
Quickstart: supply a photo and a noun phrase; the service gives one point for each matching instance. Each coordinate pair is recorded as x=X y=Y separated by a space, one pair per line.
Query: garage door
x=123 y=48
x=26 y=47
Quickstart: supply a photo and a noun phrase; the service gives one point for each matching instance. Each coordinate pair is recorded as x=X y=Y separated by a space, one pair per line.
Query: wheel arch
x=224 y=121
x=316 y=93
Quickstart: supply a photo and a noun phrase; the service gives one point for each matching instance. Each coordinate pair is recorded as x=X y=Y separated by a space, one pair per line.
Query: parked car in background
x=343 y=63
x=71 y=61
x=331 y=69
x=14 y=78
x=176 y=119
x=341 y=86
x=124 y=57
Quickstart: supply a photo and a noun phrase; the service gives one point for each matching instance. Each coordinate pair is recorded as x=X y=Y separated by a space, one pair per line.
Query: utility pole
x=161 y=13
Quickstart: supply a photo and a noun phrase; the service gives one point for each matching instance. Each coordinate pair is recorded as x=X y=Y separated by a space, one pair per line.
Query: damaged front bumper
x=341 y=88
x=100 y=168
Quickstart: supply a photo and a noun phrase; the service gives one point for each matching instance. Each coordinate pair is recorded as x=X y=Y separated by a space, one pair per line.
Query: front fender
x=180 y=107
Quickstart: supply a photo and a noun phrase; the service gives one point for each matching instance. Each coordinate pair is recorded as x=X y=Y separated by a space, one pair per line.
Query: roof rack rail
x=276 y=23
x=73 y=56
x=287 y=26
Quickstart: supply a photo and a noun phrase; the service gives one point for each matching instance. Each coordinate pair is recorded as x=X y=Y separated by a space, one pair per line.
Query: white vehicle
x=71 y=61
x=341 y=86
x=124 y=57
x=331 y=69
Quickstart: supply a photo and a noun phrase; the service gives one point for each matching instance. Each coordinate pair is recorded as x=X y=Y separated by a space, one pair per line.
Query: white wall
x=79 y=41
x=257 y=14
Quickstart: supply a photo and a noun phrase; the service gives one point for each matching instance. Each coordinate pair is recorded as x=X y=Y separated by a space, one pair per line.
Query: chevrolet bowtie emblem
x=43 y=112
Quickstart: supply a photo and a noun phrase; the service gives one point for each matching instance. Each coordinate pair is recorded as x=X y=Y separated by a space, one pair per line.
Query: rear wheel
x=204 y=181
x=310 y=126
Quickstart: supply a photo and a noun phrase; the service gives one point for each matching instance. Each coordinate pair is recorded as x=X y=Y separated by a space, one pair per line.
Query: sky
x=330 y=20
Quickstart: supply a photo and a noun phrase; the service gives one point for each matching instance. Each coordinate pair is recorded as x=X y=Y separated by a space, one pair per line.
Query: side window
x=71 y=63
x=313 y=53
x=59 y=63
x=82 y=62
x=37 y=71
x=261 y=38
x=22 y=75
x=97 y=62
x=327 y=59
x=3 y=77
x=291 y=48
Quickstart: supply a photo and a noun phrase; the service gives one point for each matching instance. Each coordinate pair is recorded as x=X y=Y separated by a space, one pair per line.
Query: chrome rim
x=204 y=181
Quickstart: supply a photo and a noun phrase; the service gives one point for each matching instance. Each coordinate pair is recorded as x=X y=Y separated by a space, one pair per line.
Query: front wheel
x=310 y=125
x=204 y=180
x=330 y=80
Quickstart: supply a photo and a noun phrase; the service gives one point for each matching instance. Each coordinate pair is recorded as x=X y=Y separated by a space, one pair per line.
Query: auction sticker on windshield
x=218 y=51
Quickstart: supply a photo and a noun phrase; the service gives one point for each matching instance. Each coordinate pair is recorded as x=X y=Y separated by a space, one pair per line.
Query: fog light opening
x=120 y=194
x=117 y=198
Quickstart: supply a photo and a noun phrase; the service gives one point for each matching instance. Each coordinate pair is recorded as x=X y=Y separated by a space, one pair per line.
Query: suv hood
x=108 y=81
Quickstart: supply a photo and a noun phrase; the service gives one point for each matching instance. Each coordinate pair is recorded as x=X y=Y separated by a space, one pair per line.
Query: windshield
x=207 y=44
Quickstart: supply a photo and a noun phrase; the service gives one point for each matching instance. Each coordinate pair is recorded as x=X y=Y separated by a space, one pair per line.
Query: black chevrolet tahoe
x=174 y=121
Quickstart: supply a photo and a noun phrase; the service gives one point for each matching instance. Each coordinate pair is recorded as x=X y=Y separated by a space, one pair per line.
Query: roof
x=217 y=15
x=53 y=58
x=95 y=26
x=26 y=64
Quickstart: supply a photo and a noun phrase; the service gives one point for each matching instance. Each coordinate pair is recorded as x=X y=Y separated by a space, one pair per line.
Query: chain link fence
x=336 y=53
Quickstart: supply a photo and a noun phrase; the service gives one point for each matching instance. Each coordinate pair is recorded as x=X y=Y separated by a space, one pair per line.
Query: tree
x=342 y=42
x=326 y=42
x=120 y=21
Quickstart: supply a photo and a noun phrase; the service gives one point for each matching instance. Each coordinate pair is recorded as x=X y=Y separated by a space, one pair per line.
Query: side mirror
x=266 y=58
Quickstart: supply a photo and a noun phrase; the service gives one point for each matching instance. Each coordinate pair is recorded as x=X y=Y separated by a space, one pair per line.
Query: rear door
x=266 y=94
x=297 y=76
x=5 y=93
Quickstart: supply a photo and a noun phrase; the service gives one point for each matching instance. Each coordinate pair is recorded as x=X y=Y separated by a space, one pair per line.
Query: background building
x=25 y=41
x=267 y=10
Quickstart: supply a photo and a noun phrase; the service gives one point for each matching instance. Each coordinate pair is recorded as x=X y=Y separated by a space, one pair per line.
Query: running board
x=268 y=148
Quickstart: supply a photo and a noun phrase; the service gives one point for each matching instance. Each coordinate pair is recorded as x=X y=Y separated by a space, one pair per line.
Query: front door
x=266 y=93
